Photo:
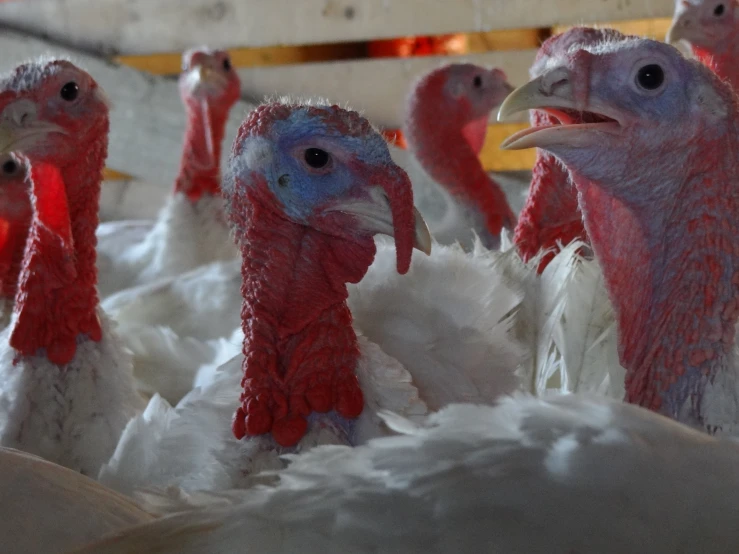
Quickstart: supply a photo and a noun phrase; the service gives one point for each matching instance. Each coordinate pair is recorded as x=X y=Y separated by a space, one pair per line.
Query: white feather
x=570 y=474
x=185 y=235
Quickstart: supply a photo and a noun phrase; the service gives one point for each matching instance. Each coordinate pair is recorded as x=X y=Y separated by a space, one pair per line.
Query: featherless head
x=325 y=167
x=55 y=117
x=50 y=110
x=629 y=93
x=710 y=25
x=207 y=75
x=455 y=98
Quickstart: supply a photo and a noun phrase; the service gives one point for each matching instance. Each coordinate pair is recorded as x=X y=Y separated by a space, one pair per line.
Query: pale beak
x=375 y=216
x=21 y=130
x=552 y=90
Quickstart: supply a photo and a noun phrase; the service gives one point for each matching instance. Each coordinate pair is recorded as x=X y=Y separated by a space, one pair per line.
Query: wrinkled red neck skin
x=200 y=174
x=15 y=220
x=724 y=64
x=300 y=350
x=440 y=143
x=56 y=303
x=551 y=213
x=672 y=272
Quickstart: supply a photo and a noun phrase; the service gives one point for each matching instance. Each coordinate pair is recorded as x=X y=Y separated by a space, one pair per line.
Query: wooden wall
x=299 y=47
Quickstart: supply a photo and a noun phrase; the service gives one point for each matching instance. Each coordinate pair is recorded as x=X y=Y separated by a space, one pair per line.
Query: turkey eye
x=227 y=64
x=316 y=158
x=70 y=91
x=718 y=11
x=477 y=81
x=650 y=77
x=10 y=167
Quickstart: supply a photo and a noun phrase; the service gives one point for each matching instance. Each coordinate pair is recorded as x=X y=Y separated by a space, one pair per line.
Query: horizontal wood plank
x=377 y=87
x=146 y=26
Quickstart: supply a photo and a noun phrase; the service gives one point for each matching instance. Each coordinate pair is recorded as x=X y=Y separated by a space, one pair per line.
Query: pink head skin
x=446 y=121
x=551 y=214
x=657 y=178
x=711 y=28
x=49 y=113
x=15 y=219
x=209 y=87
x=309 y=187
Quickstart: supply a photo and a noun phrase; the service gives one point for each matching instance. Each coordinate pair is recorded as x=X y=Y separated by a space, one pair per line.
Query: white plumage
x=411 y=361
x=184 y=236
x=560 y=475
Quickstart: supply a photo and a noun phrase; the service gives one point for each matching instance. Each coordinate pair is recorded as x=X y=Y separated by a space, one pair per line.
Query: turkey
x=446 y=121
x=710 y=28
x=551 y=216
x=190 y=230
x=51 y=509
x=15 y=218
x=663 y=232
x=67 y=388
x=308 y=187
x=568 y=474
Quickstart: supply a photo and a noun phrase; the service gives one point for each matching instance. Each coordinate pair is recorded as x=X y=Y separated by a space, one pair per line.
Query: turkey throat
x=300 y=349
x=56 y=302
x=671 y=266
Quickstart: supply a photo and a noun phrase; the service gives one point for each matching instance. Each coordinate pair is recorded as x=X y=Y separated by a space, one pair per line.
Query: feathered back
x=572 y=474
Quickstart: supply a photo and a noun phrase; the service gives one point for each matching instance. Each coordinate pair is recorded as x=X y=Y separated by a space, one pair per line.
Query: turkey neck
x=199 y=172
x=671 y=265
x=449 y=159
x=723 y=62
x=298 y=335
x=551 y=212
x=57 y=300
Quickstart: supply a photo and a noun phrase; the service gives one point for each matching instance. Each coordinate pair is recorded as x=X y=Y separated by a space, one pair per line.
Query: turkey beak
x=20 y=128
x=388 y=209
x=554 y=89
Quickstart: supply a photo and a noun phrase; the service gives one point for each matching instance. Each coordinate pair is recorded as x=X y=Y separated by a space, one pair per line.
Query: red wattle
x=56 y=301
x=300 y=350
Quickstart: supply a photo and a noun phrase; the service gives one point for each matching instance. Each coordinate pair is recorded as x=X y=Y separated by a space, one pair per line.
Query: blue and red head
x=325 y=167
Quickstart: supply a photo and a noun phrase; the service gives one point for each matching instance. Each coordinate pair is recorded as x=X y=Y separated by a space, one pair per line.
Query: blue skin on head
x=307 y=189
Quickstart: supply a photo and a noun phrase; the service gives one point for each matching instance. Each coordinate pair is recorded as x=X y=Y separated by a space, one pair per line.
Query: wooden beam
x=115 y=26
x=495 y=159
x=169 y=63
x=378 y=87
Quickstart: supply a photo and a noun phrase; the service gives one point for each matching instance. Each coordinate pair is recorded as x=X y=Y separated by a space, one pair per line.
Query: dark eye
x=70 y=91
x=227 y=64
x=477 y=81
x=10 y=167
x=316 y=158
x=718 y=11
x=650 y=77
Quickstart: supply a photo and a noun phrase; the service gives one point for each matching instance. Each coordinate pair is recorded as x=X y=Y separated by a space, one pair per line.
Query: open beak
x=21 y=130
x=553 y=92
x=388 y=209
